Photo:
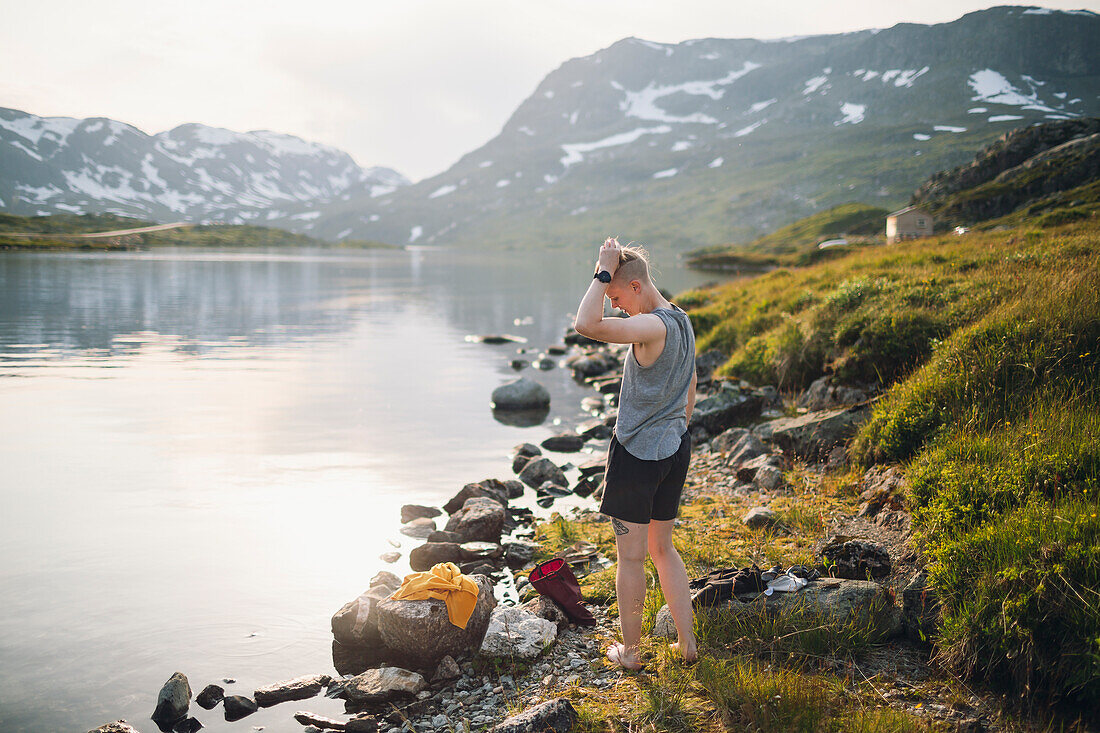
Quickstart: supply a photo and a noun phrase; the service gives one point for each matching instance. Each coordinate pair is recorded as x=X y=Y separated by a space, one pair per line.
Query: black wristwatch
x=603 y=276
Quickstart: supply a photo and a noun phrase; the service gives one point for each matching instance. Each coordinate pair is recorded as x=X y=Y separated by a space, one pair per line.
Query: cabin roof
x=906 y=210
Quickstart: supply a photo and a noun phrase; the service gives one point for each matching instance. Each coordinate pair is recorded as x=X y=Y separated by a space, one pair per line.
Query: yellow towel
x=447 y=583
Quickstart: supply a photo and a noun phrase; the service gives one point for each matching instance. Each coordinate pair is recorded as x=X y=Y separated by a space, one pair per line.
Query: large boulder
x=356 y=624
x=552 y=716
x=516 y=632
x=382 y=685
x=725 y=409
x=419 y=634
x=299 y=688
x=173 y=700
x=479 y=520
x=813 y=435
x=540 y=470
x=830 y=600
x=521 y=394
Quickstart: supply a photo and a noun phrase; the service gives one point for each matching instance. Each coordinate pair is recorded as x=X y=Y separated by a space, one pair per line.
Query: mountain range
x=675 y=145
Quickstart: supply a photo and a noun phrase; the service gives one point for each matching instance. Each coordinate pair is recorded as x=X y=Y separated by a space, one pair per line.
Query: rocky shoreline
x=401 y=666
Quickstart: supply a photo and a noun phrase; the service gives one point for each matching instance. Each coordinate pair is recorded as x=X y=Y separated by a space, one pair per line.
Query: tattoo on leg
x=620 y=528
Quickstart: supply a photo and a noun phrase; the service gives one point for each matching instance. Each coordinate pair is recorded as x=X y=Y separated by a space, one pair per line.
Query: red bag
x=555 y=580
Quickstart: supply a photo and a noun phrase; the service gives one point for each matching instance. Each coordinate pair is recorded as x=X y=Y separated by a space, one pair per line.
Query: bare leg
x=674 y=584
x=630 y=546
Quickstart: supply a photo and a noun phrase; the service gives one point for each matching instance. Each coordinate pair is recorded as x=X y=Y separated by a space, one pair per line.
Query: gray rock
x=747 y=470
x=481 y=551
x=540 y=470
x=823 y=394
x=708 y=361
x=479 y=520
x=545 y=363
x=759 y=517
x=210 y=696
x=187 y=725
x=549 y=488
x=447 y=669
x=173 y=700
x=513 y=488
x=441 y=536
x=725 y=440
x=318 y=721
x=567 y=442
x=356 y=623
x=299 y=688
x=856 y=559
x=424 y=557
x=747 y=447
x=724 y=410
x=521 y=394
x=362 y=724
x=386 y=578
x=516 y=632
x=590 y=366
x=544 y=607
x=768 y=479
x=419 y=633
x=410 y=512
x=119 y=726
x=594 y=430
x=237 y=707
x=487 y=489
x=391 y=556
x=552 y=716
x=518 y=553
x=381 y=685
x=594 y=465
x=833 y=599
x=813 y=435
x=418 y=528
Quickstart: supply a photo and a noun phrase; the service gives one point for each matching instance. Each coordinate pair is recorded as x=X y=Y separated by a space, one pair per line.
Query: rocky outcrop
x=419 y=633
x=725 y=409
x=813 y=435
x=824 y=394
x=516 y=632
x=552 y=716
x=521 y=394
x=832 y=600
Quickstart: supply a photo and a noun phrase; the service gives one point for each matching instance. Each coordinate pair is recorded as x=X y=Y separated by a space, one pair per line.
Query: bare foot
x=689 y=652
x=623 y=657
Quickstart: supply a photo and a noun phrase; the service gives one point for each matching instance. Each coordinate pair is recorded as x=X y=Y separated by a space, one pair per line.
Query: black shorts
x=636 y=490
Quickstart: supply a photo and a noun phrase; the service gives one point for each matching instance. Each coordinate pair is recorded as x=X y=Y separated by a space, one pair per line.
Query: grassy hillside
x=797 y=243
x=205 y=235
x=988 y=345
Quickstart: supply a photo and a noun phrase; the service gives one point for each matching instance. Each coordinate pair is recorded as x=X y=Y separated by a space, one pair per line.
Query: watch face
x=603 y=276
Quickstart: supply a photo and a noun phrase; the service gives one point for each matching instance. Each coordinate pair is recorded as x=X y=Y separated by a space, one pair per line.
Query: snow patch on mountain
x=853 y=114
x=643 y=104
x=666 y=173
x=443 y=191
x=992 y=86
x=574 y=152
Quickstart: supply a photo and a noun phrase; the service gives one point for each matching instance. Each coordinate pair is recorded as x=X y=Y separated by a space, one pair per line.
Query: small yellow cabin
x=908 y=223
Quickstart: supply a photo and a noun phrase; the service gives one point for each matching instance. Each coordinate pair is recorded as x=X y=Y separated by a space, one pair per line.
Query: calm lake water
x=203 y=454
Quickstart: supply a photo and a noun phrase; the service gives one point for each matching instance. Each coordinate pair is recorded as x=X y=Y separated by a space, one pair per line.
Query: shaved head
x=633 y=265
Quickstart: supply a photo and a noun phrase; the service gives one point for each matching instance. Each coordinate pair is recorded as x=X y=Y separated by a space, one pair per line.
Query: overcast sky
x=409 y=84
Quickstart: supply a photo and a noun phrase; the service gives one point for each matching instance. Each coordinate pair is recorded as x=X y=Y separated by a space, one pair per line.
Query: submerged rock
x=299 y=688
x=238 y=706
x=173 y=700
x=521 y=394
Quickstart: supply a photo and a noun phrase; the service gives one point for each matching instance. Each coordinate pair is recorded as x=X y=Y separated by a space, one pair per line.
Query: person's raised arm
x=590 y=320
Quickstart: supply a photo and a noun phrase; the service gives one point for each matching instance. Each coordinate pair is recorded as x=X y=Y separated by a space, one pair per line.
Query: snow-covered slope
x=718 y=140
x=192 y=173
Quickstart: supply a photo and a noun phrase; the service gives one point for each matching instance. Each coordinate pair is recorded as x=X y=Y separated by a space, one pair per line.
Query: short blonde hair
x=633 y=264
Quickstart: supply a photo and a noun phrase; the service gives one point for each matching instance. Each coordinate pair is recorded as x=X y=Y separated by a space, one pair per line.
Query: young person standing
x=648 y=458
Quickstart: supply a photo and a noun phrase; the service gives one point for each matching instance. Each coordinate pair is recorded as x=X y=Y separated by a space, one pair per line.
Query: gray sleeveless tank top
x=653 y=399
